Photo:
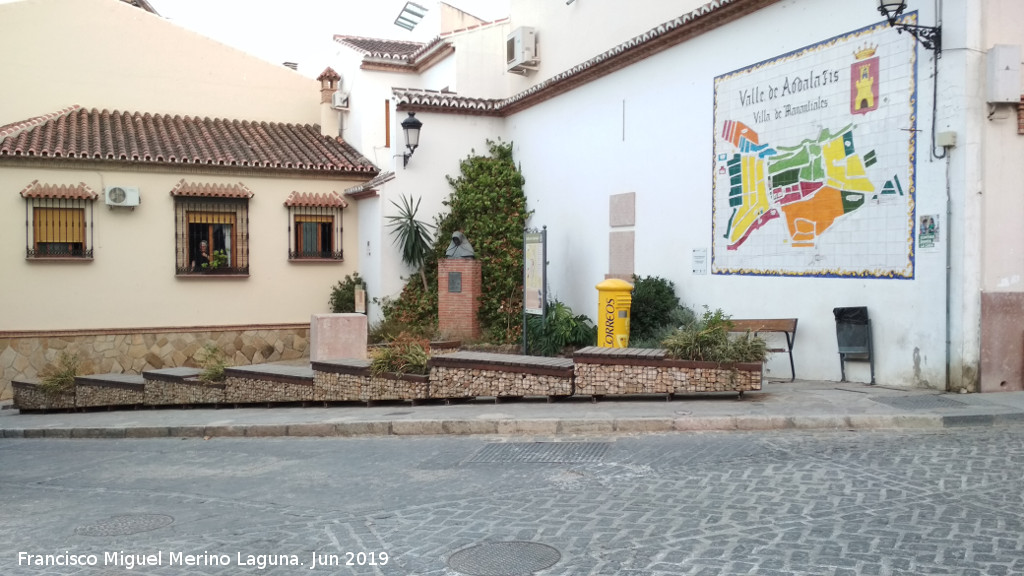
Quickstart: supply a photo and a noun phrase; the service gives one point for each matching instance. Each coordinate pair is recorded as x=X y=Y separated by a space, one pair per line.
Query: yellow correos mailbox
x=614 y=299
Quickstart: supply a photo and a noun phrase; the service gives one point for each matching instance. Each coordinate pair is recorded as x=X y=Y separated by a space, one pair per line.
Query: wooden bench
x=786 y=326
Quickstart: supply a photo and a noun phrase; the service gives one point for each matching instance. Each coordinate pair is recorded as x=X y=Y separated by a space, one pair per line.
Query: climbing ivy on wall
x=488 y=205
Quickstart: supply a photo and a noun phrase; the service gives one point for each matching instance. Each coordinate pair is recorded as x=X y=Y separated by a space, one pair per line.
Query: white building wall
x=568 y=35
x=479 y=61
x=424 y=178
x=648 y=129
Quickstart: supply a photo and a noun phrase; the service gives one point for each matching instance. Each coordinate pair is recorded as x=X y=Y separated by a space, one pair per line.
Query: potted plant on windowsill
x=218 y=263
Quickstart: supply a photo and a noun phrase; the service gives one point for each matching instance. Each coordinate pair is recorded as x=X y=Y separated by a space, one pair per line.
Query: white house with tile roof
x=773 y=158
x=161 y=191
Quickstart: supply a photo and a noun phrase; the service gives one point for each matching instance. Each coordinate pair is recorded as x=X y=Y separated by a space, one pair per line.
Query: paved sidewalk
x=780 y=405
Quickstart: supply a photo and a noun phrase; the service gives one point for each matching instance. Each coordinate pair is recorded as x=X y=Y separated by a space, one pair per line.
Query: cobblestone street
x=769 y=504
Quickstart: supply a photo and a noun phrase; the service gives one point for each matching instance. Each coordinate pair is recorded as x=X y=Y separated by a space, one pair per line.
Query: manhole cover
x=542 y=452
x=919 y=402
x=504 y=559
x=125 y=525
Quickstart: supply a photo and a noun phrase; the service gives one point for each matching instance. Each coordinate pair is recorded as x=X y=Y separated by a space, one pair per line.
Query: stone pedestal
x=458 y=298
x=337 y=336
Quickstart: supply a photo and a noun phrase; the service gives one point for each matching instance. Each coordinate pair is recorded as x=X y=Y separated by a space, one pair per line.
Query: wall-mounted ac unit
x=521 y=50
x=121 y=196
x=339 y=100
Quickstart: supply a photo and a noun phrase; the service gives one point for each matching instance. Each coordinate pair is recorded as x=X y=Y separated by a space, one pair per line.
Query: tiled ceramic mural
x=814 y=160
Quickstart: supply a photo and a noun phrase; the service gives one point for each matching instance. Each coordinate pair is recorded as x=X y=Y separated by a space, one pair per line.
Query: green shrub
x=343 y=295
x=654 y=300
x=678 y=317
x=488 y=205
x=212 y=361
x=558 y=330
x=60 y=377
x=404 y=355
x=708 y=340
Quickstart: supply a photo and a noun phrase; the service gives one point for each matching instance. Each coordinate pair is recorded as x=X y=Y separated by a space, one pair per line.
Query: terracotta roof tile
x=661 y=37
x=447 y=101
x=67 y=192
x=79 y=134
x=379 y=47
x=206 y=190
x=329 y=74
x=311 y=200
x=373 y=183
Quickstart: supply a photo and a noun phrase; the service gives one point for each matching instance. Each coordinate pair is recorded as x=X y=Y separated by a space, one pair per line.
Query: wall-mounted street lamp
x=411 y=126
x=929 y=36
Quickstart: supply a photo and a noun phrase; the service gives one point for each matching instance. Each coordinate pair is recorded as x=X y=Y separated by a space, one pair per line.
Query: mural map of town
x=814 y=161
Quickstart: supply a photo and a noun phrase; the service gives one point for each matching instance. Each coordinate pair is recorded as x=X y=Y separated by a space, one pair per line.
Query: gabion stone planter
x=268 y=383
x=180 y=386
x=110 y=390
x=343 y=380
x=622 y=371
x=350 y=380
x=29 y=396
x=473 y=374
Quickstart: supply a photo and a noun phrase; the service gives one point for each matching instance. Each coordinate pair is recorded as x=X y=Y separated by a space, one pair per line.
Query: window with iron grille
x=59 y=221
x=211 y=235
x=314 y=231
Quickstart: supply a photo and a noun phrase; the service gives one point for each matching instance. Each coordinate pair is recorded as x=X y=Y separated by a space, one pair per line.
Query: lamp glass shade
x=891 y=8
x=412 y=126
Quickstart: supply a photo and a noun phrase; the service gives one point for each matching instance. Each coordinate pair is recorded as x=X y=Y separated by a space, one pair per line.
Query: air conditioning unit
x=121 y=196
x=339 y=100
x=521 y=50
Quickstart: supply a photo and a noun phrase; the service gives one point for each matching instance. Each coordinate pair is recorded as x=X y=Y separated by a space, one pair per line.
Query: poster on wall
x=534 y=271
x=814 y=159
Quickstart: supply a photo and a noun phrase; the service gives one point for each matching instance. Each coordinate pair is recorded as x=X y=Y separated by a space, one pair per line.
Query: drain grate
x=125 y=525
x=504 y=559
x=542 y=452
x=919 y=402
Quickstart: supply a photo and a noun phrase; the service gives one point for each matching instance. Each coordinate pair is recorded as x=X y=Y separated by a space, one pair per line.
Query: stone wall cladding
x=24 y=355
x=28 y=396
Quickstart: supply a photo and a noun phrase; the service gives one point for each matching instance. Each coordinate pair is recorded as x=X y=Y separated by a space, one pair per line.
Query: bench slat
x=766 y=325
x=786 y=326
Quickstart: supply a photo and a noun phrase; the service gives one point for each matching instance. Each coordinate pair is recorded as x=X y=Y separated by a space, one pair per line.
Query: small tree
x=412 y=236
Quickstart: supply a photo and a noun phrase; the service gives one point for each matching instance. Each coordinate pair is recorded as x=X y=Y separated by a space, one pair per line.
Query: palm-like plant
x=411 y=235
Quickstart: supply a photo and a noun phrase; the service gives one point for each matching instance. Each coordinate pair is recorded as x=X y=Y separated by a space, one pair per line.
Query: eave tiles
x=157 y=139
x=312 y=200
x=62 y=192
x=207 y=190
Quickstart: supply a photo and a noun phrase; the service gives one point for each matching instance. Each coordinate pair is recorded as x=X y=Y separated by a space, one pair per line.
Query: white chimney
x=330 y=119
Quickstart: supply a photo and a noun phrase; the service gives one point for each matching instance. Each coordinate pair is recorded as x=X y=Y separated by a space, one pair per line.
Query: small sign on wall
x=455 y=282
x=360 y=301
x=700 y=261
x=928 y=233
